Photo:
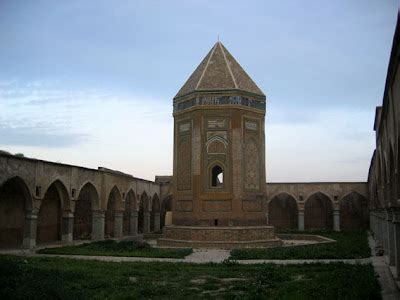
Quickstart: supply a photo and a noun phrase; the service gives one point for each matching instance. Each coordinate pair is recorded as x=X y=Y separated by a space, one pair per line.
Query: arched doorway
x=50 y=213
x=15 y=199
x=165 y=206
x=353 y=212
x=114 y=202
x=130 y=207
x=83 y=211
x=155 y=214
x=282 y=212
x=318 y=213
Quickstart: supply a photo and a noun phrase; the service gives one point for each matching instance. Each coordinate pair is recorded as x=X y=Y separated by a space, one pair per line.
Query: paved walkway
x=390 y=290
x=198 y=256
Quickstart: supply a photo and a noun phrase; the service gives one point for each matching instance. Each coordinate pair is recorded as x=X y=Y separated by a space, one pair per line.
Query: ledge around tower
x=219 y=237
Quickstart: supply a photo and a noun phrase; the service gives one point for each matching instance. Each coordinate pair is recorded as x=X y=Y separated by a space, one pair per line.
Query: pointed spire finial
x=218 y=38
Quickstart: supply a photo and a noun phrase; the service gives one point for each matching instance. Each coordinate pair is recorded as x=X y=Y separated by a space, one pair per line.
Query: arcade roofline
x=99 y=169
x=321 y=182
x=169 y=178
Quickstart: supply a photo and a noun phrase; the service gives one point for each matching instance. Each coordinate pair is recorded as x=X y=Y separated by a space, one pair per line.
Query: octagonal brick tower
x=219 y=146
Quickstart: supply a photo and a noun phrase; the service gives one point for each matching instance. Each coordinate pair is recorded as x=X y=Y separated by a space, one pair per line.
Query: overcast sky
x=91 y=82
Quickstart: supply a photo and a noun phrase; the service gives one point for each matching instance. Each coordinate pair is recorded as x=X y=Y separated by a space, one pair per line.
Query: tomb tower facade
x=219 y=146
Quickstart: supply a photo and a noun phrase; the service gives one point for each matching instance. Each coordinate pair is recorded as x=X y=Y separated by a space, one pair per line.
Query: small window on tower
x=217 y=176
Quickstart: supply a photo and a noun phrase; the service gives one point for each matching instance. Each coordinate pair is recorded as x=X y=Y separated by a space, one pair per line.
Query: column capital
x=98 y=213
x=67 y=214
x=119 y=213
x=389 y=215
x=396 y=215
x=31 y=214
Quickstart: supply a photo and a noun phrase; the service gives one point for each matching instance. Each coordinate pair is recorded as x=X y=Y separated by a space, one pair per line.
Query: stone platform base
x=219 y=237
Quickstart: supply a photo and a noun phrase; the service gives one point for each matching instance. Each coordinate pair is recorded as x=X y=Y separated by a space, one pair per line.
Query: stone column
x=146 y=222
x=371 y=222
x=30 y=228
x=157 y=222
x=301 y=220
x=378 y=237
x=134 y=223
x=391 y=238
x=385 y=232
x=336 y=220
x=67 y=227
x=118 y=223
x=396 y=223
x=98 y=218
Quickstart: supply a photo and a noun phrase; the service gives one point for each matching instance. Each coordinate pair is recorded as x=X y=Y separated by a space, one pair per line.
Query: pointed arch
x=62 y=190
x=397 y=166
x=155 y=203
x=217 y=174
x=15 y=200
x=283 y=211
x=130 y=206
x=155 y=212
x=381 y=169
x=145 y=201
x=96 y=200
x=55 y=200
x=353 y=211
x=88 y=199
x=144 y=206
x=114 y=203
x=216 y=145
x=318 y=212
x=392 y=175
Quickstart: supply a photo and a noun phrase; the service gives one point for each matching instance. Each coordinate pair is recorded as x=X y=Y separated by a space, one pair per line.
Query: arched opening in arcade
x=381 y=179
x=318 y=212
x=130 y=208
x=155 y=214
x=282 y=211
x=165 y=206
x=50 y=213
x=88 y=197
x=397 y=181
x=15 y=199
x=143 y=210
x=114 y=203
x=354 y=212
x=392 y=177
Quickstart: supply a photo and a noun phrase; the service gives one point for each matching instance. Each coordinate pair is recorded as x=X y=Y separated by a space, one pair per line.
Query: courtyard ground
x=44 y=277
x=201 y=274
x=349 y=245
x=115 y=248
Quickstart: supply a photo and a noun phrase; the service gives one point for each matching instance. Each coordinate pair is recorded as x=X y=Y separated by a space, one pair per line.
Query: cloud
x=39 y=113
x=37 y=137
x=134 y=133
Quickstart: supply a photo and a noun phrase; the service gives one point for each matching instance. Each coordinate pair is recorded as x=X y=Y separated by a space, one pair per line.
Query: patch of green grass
x=62 y=278
x=122 y=248
x=349 y=244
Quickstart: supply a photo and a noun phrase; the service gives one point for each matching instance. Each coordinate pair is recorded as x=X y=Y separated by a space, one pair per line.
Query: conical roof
x=219 y=71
